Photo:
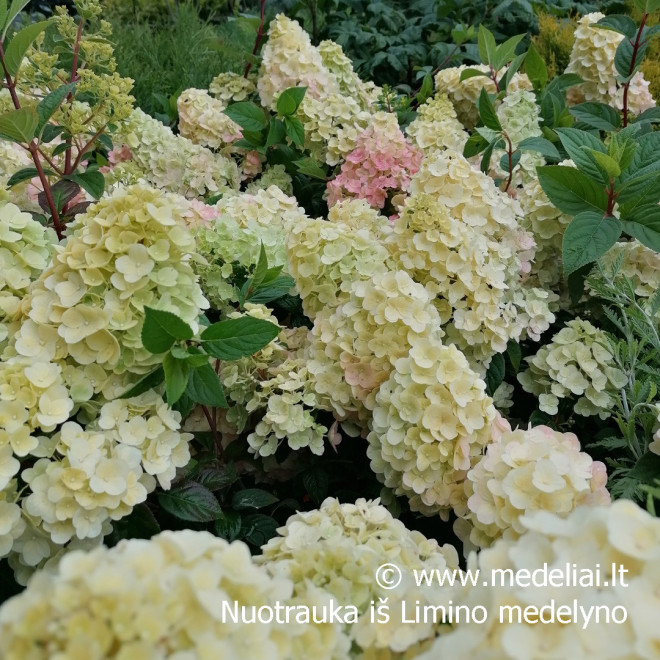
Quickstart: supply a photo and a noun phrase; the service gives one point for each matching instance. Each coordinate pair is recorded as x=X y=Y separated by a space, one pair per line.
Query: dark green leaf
x=487 y=112
x=623 y=58
x=513 y=67
x=92 y=182
x=514 y=353
x=247 y=115
x=561 y=83
x=295 y=130
x=50 y=132
x=191 y=502
x=515 y=159
x=619 y=23
x=160 y=327
x=597 y=115
x=217 y=479
x=486 y=44
x=571 y=191
x=540 y=145
x=645 y=226
x=257 y=529
x=205 y=387
x=279 y=287
x=311 y=168
x=505 y=52
x=474 y=145
x=21 y=41
x=146 y=383
x=472 y=73
x=139 y=524
x=22 y=175
x=228 y=525
x=234 y=338
x=587 y=238
x=253 y=498
x=647 y=468
x=50 y=103
x=535 y=68
x=19 y=125
x=652 y=115
x=289 y=100
x=177 y=374
x=276 y=132
x=495 y=373
x=316 y=483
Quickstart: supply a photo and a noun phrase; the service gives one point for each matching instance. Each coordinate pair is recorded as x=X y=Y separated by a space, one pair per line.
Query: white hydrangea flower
x=232 y=87
x=161 y=598
x=524 y=471
x=592 y=58
x=577 y=362
x=430 y=423
x=338 y=548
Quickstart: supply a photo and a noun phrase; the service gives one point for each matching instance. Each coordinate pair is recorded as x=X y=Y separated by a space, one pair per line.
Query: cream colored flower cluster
x=202 y=120
x=232 y=87
x=350 y=84
x=460 y=237
x=172 y=162
x=547 y=224
x=155 y=599
x=272 y=175
x=288 y=400
x=639 y=263
x=290 y=60
x=577 y=362
x=129 y=250
x=523 y=471
x=436 y=127
x=332 y=126
x=26 y=247
x=519 y=117
x=356 y=345
x=431 y=422
x=592 y=58
x=603 y=539
x=465 y=94
x=338 y=548
x=327 y=257
x=106 y=468
x=12 y=159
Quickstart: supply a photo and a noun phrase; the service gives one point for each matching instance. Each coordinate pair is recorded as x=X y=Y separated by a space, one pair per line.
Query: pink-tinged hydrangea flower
x=381 y=164
x=592 y=58
x=537 y=469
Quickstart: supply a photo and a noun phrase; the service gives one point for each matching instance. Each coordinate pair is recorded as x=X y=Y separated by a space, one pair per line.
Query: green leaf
x=295 y=130
x=514 y=353
x=50 y=103
x=486 y=44
x=235 y=338
x=50 y=132
x=20 y=43
x=505 y=52
x=177 y=374
x=228 y=525
x=139 y=524
x=15 y=9
x=253 y=498
x=217 y=479
x=279 y=287
x=535 y=68
x=191 y=502
x=561 y=83
x=587 y=238
x=618 y=23
x=487 y=111
x=513 y=67
x=247 y=115
x=515 y=159
x=488 y=152
x=495 y=373
x=92 y=182
x=425 y=90
x=573 y=140
x=571 y=191
x=472 y=73
x=261 y=268
x=652 y=115
x=22 y=175
x=606 y=162
x=623 y=58
x=474 y=145
x=257 y=529
x=597 y=115
x=575 y=282
x=146 y=383
x=311 y=168
x=19 y=125
x=541 y=146
x=645 y=226
x=276 y=132
x=316 y=483
x=204 y=387
x=161 y=329
x=289 y=100
x=3 y=13
x=638 y=176
x=647 y=468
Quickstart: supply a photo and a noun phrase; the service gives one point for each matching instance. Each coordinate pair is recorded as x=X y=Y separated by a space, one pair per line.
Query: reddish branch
x=636 y=46
x=260 y=34
x=509 y=151
x=611 y=199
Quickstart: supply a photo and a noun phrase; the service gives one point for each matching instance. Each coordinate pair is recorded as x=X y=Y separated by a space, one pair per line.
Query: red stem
x=636 y=46
x=34 y=152
x=509 y=152
x=493 y=75
x=260 y=34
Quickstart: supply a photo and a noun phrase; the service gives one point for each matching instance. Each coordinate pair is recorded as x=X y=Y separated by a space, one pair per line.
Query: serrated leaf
x=487 y=111
x=279 y=287
x=191 y=502
x=253 y=498
x=257 y=529
x=247 y=115
x=645 y=227
x=204 y=387
x=21 y=41
x=161 y=329
x=92 y=182
x=316 y=483
x=647 y=468
x=608 y=163
x=587 y=238
x=311 y=168
x=618 y=23
x=295 y=131
x=597 y=115
x=570 y=190
x=563 y=82
x=495 y=373
x=48 y=105
x=217 y=479
x=573 y=140
x=19 y=125
x=540 y=145
x=235 y=338
x=177 y=374
x=289 y=100
x=228 y=525
x=146 y=383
